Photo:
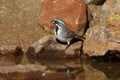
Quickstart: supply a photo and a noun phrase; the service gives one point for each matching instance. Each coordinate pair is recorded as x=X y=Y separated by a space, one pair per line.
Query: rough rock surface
x=38 y=46
x=105 y=36
x=73 y=12
x=49 y=48
x=98 y=42
x=108 y=10
x=11 y=50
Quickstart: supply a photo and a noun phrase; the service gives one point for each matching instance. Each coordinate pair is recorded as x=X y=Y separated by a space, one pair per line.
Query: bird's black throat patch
x=57 y=30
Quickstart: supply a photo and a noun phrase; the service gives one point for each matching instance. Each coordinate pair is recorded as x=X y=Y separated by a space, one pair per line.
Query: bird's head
x=58 y=23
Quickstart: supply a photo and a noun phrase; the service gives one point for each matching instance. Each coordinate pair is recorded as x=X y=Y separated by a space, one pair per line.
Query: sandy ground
x=19 y=22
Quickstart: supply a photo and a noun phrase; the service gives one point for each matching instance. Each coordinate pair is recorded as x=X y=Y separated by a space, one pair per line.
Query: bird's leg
x=81 y=48
x=67 y=46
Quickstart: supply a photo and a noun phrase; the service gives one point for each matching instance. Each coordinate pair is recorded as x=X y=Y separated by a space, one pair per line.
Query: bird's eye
x=56 y=22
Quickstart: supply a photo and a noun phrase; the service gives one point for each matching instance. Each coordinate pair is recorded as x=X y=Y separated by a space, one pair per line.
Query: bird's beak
x=53 y=21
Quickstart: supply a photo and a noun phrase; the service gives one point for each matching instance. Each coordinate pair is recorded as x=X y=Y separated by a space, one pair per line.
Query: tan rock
x=111 y=17
x=38 y=46
x=98 y=42
x=72 y=12
x=108 y=10
x=113 y=23
x=48 y=48
x=11 y=50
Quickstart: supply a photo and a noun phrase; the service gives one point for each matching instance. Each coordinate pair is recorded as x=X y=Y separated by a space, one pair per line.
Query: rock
x=108 y=10
x=72 y=12
x=110 y=56
x=98 y=42
x=96 y=12
x=104 y=37
x=11 y=50
x=49 y=48
x=38 y=46
x=111 y=15
x=113 y=27
x=96 y=2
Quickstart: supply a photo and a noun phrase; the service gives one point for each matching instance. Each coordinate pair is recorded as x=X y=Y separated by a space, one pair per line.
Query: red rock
x=11 y=50
x=72 y=12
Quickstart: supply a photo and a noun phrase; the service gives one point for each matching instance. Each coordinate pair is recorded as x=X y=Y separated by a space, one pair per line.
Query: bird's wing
x=69 y=33
x=73 y=34
x=79 y=36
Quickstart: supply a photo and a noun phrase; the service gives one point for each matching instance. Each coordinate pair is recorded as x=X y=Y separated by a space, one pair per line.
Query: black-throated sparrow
x=63 y=34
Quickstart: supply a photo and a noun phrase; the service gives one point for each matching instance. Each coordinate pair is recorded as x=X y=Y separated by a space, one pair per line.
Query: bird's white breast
x=60 y=36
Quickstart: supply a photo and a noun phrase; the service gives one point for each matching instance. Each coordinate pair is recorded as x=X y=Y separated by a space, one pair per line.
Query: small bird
x=64 y=34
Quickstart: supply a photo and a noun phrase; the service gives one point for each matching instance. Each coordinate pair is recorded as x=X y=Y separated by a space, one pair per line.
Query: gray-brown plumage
x=63 y=34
